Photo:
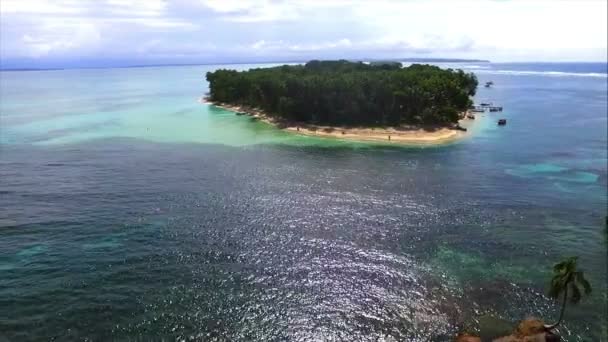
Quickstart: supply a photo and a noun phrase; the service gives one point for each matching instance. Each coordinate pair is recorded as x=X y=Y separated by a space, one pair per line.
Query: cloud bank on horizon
x=59 y=33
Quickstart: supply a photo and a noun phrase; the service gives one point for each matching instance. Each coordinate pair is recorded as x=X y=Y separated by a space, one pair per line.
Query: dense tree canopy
x=349 y=93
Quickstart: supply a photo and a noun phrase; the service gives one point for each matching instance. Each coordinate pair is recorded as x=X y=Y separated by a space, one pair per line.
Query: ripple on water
x=302 y=290
x=31 y=251
x=110 y=242
x=264 y=235
x=552 y=172
x=23 y=256
x=6 y=265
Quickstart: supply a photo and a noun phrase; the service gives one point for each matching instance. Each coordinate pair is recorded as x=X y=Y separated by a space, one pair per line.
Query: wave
x=542 y=73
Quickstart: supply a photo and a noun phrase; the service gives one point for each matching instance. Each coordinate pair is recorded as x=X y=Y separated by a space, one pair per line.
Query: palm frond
x=566 y=280
x=563 y=267
x=558 y=284
x=576 y=293
x=580 y=278
x=557 y=268
x=554 y=291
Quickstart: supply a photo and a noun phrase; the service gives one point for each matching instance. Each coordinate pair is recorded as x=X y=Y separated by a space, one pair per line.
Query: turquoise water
x=127 y=103
x=132 y=211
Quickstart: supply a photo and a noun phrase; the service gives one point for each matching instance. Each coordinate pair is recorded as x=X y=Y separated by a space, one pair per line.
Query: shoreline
x=403 y=135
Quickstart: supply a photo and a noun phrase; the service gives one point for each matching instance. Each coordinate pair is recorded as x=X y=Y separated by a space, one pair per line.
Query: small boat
x=471 y=116
x=495 y=109
x=489 y=84
x=486 y=104
x=502 y=122
x=478 y=110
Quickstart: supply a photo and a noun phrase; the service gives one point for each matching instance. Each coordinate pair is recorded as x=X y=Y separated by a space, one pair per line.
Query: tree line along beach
x=377 y=102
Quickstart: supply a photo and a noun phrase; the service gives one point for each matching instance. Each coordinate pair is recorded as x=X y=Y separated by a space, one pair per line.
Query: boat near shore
x=485 y=106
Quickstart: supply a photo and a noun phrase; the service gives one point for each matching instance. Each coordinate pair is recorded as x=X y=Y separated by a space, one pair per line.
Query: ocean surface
x=130 y=211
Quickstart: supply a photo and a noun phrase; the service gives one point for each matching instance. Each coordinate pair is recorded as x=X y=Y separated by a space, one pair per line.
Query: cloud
x=266 y=10
x=216 y=30
x=345 y=45
x=41 y=7
x=53 y=37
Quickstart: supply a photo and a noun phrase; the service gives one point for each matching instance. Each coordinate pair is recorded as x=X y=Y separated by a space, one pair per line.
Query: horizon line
x=408 y=59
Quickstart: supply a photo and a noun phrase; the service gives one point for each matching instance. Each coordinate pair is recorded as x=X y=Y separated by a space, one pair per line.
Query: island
x=351 y=100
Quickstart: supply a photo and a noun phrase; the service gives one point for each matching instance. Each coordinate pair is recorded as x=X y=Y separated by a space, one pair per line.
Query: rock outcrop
x=528 y=330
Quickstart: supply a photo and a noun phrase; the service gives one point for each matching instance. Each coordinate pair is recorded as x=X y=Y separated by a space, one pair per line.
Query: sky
x=80 y=33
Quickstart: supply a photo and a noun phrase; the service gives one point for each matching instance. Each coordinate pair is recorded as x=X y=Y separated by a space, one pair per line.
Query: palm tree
x=566 y=280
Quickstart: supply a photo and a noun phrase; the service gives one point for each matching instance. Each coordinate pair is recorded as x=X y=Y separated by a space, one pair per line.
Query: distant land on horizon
x=111 y=65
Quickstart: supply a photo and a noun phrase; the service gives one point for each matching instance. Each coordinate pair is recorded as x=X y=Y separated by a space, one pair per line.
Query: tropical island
x=351 y=100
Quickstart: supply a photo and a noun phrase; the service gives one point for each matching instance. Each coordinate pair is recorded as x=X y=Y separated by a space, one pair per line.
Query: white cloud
x=439 y=24
x=51 y=36
x=251 y=11
x=231 y=6
x=41 y=28
x=139 y=7
x=342 y=43
x=503 y=30
x=344 y=48
x=155 y=23
x=41 y=7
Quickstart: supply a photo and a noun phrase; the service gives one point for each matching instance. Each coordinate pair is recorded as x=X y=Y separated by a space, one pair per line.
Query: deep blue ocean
x=130 y=211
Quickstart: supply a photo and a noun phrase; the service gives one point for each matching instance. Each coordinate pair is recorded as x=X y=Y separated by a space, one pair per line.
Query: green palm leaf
x=566 y=281
x=576 y=293
x=580 y=278
x=556 y=287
